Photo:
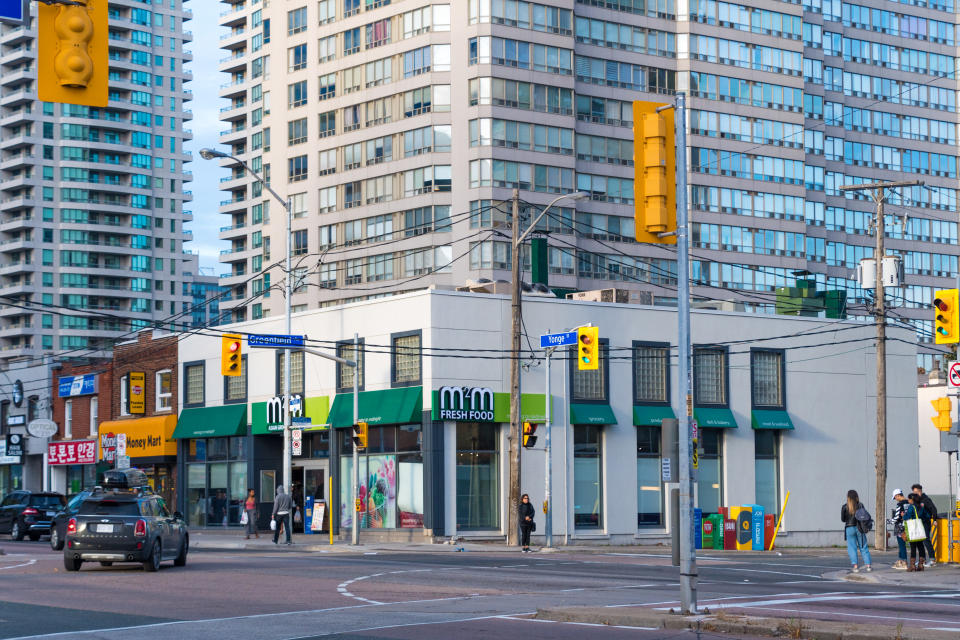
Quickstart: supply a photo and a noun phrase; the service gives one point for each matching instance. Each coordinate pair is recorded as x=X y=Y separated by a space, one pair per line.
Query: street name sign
x=565 y=339
x=274 y=340
x=15 y=11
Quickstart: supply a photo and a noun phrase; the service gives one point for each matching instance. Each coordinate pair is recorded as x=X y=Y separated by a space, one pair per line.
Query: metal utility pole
x=688 y=555
x=513 y=496
x=548 y=490
x=355 y=534
x=879 y=192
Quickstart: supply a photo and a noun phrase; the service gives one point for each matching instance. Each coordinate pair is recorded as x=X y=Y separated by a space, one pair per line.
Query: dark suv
x=58 y=528
x=25 y=513
x=125 y=522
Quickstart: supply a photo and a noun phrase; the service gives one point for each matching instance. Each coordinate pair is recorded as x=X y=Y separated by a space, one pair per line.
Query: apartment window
x=710 y=474
x=377 y=33
x=417 y=61
x=767 y=470
x=651 y=373
x=296 y=20
x=298 y=204
x=424 y=19
x=327 y=48
x=354 y=271
x=426 y=99
x=352 y=194
x=766 y=374
x=379 y=150
x=345 y=373
x=351 y=41
x=297 y=131
x=590 y=384
x=164 y=390
x=68 y=419
x=426 y=180
x=94 y=415
x=379 y=111
x=326 y=11
x=328 y=86
x=297 y=168
x=380 y=267
x=299 y=242
x=328 y=200
x=297 y=94
x=379 y=72
x=235 y=387
x=328 y=236
x=328 y=124
x=296 y=371
x=353 y=79
x=125 y=396
x=649 y=492
x=710 y=376
x=379 y=189
x=297 y=57
x=352 y=156
x=587 y=476
x=328 y=162
x=193 y=384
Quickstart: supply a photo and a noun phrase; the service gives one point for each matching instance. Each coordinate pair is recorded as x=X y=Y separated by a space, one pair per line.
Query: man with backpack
x=931 y=517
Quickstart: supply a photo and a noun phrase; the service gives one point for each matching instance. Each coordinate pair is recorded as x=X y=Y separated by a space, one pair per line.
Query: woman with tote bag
x=913 y=525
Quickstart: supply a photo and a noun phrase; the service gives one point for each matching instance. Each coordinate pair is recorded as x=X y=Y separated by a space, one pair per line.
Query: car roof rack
x=132 y=480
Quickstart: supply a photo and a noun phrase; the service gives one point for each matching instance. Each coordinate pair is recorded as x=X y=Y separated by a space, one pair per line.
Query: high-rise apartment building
x=91 y=199
x=396 y=130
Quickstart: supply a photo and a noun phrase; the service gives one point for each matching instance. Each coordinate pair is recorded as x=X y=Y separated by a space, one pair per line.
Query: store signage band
x=138 y=392
x=275 y=410
x=15 y=444
x=16 y=421
x=473 y=404
x=4 y=458
x=74 y=452
x=42 y=428
x=69 y=386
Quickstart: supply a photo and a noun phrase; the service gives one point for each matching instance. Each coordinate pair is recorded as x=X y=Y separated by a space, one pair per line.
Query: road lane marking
x=16 y=566
x=407 y=624
x=779 y=573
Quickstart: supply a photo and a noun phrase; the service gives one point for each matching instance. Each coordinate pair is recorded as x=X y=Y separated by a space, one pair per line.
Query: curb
x=935 y=579
x=742 y=625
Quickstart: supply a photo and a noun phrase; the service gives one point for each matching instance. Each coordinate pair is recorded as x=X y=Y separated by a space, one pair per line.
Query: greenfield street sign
x=274 y=340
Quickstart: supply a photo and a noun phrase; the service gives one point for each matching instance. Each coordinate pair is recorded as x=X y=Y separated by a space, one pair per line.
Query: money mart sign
x=481 y=404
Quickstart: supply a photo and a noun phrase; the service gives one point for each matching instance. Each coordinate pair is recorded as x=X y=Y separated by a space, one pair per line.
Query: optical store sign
x=481 y=404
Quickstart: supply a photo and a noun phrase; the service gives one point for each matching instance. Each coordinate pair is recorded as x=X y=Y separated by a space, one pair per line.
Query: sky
x=206 y=127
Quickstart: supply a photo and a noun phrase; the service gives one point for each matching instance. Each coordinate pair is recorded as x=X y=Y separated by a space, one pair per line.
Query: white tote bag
x=915 y=531
x=273 y=525
x=243 y=518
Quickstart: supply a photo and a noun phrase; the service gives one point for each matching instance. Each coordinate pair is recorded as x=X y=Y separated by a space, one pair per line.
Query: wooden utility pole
x=513 y=495
x=879 y=192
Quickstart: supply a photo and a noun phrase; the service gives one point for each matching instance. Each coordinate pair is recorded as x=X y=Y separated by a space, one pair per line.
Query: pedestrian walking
x=915 y=534
x=853 y=531
x=896 y=519
x=932 y=514
x=250 y=513
x=282 y=506
x=526 y=522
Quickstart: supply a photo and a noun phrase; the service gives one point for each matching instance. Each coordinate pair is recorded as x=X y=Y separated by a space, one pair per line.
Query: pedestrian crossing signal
x=231 y=361
x=360 y=433
x=942 y=420
x=529 y=439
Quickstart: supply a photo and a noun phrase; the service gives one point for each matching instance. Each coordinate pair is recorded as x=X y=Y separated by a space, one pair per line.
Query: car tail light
x=72 y=525
x=140 y=530
x=30 y=511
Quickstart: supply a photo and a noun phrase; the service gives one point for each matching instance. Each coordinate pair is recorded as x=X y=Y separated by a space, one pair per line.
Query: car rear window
x=46 y=502
x=109 y=508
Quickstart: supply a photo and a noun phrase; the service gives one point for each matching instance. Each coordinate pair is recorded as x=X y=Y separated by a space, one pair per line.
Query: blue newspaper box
x=307 y=514
x=698 y=529
x=757 y=521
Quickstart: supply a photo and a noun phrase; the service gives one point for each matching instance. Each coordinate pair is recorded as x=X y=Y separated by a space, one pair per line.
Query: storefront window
x=316 y=445
x=767 y=470
x=709 y=487
x=391 y=478
x=216 y=481
x=478 y=484
x=649 y=493
x=587 y=487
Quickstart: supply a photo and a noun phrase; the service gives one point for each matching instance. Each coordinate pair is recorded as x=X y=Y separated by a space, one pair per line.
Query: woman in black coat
x=526 y=522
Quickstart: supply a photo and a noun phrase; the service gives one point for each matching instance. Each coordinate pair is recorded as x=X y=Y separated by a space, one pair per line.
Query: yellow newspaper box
x=743 y=516
x=941 y=545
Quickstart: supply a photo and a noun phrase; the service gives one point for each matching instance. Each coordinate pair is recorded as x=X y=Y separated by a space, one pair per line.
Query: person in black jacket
x=924 y=501
x=900 y=505
x=526 y=522
x=856 y=539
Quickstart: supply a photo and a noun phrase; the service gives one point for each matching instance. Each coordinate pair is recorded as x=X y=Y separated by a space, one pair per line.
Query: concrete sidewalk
x=941 y=576
x=212 y=540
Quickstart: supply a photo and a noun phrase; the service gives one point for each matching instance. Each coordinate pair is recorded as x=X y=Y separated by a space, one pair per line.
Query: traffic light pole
x=548 y=489
x=879 y=192
x=688 y=555
x=355 y=534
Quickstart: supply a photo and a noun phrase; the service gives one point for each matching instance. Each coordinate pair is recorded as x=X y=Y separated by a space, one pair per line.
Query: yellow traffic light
x=72 y=53
x=655 y=173
x=529 y=439
x=588 y=348
x=946 y=319
x=942 y=420
x=360 y=432
x=231 y=361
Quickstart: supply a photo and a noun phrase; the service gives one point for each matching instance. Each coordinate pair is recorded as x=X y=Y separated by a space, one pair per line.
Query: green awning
x=212 y=422
x=646 y=416
x=389 y=406
x=767 y=419
x=591 y=414
x=714 y=418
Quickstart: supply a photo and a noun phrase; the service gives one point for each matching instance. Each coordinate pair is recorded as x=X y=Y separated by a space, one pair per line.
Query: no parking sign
x=953 y=375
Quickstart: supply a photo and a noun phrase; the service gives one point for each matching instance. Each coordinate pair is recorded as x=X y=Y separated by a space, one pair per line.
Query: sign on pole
x=565 y=339
x=274 y=340
x=15 y=11
x=121 y=444
x=953 y=375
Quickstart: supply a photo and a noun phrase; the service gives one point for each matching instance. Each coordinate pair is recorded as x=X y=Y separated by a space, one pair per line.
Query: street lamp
x=211 y=154
x=516 y=314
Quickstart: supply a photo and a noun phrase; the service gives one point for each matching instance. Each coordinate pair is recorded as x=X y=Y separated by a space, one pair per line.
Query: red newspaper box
x=729 y=534
x=769 y=524
x=723 y=511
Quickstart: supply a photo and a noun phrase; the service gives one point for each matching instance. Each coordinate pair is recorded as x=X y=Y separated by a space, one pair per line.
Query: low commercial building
x=24 y=397
x=783 y=405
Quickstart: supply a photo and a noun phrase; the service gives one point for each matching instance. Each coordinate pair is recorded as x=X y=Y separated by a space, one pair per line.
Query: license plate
x=104 y=528
x=50 y=514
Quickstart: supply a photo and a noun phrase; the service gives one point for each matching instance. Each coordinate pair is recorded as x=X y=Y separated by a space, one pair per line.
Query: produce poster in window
x=379 y=493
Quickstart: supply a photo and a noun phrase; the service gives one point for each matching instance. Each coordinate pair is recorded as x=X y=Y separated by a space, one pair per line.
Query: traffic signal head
x=529 y=439
x=231 y=360
x=655 y=173
x=946 y=317
x=942 y=420
x=72 y=53
x=360 y=432
x=588 y=348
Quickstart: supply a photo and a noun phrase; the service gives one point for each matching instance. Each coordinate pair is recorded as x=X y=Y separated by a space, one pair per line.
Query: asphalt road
x=435 y=594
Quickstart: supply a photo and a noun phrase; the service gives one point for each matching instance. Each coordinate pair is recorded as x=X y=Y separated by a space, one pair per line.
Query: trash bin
x=717 y=531
x=729 y=534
